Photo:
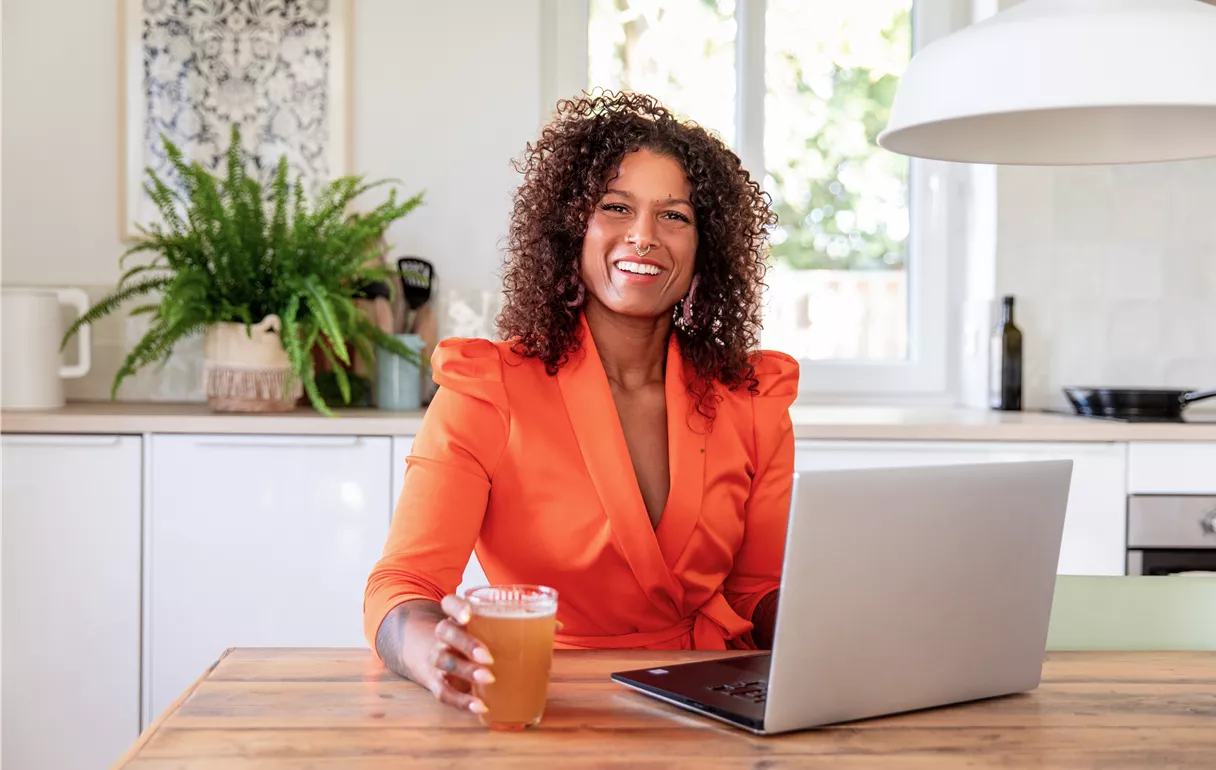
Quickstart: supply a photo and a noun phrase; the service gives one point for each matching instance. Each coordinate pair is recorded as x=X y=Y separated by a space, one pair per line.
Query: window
x=840 y=288
x=800 y=89
x=680 y=52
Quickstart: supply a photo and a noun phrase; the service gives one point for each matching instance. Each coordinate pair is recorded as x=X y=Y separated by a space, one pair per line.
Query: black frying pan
x=1141 y=403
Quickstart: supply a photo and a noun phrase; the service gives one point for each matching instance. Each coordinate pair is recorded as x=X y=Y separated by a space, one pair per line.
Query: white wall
x=445 y=95
x=60 y=142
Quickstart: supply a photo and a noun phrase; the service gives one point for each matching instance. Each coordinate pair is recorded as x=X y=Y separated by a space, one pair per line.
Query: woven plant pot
x=248 y=372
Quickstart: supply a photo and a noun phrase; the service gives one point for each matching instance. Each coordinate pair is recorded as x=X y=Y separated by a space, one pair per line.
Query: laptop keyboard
x=756 y=692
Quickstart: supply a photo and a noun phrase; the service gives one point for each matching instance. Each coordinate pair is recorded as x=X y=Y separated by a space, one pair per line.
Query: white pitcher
x=32 y=367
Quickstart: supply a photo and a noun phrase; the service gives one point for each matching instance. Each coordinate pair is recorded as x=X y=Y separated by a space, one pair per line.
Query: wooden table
x=316 y=708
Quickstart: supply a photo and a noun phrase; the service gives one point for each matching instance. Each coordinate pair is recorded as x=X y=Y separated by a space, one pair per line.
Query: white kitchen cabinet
x=1095 y=526
x=257 y=541
x=473 y=574
x=71 y=553
x=1171 y=468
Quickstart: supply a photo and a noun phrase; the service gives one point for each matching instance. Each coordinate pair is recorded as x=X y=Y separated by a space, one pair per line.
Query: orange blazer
x=533 y=472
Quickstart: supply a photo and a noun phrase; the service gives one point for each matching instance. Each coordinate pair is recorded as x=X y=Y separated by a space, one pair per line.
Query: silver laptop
x=902 y=589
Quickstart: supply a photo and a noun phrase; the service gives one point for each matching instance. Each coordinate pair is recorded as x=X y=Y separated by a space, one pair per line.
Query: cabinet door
x=258 y=541
x=1171 y=468
x=71 y=599
x=473 y=574
x=1095 y=526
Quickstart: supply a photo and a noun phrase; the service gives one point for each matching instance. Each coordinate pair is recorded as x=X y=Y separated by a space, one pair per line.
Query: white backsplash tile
x=461 y=313
x=1194 y=189
x=1083 y=196
x=1197 y=373
x=1131 y=372
x=470 y=313
x=1134 y=330
x=1195 y=280
x=1132 y=270
x=1074 y=343
x=1190 y=325
x=178 y=379
x=1069 y=271
x=1142 y=203
x=1116 y=285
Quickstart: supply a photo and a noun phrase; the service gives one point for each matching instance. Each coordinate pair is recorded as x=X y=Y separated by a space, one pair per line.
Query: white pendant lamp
x=1065 y=82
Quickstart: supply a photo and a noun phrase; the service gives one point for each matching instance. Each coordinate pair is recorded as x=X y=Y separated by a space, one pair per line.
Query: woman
x=625 y=445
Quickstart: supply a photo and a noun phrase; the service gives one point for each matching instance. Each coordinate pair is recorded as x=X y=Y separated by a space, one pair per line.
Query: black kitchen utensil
x=1135 y=403
x=416 y=277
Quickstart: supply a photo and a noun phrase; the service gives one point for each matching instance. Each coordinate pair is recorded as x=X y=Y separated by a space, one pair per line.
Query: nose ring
x=641 y=253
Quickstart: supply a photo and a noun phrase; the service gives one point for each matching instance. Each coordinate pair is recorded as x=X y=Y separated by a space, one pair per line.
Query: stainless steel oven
x=1171 y=534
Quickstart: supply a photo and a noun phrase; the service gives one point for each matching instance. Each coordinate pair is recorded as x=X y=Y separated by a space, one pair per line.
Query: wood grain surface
x=332 y=708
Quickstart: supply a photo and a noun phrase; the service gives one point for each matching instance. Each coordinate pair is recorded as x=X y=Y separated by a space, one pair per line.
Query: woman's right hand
x=432 y=647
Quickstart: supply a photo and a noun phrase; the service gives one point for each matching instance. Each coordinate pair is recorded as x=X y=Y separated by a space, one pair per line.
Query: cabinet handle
x=54 y=439
x=1208 y=522
x=300 y=442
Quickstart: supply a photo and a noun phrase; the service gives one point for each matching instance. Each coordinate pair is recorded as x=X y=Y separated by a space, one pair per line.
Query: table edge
x=133 y=750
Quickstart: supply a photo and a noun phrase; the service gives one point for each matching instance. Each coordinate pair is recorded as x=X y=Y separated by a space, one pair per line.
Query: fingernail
x=484 y=676
x=465 y=617
x=482 y=655
x=477 y=707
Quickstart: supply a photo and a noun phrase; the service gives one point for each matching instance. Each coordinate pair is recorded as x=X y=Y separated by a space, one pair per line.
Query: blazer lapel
x=686 y=433
x=597 y=427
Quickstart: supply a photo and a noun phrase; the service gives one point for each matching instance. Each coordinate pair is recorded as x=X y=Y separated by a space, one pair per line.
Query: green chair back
x=1175 y=612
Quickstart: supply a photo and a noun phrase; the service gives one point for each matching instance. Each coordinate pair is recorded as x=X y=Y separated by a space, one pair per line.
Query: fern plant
x=230 y=251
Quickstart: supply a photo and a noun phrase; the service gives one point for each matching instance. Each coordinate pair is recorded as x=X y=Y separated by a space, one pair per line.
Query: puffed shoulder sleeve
x=777 y=383
x=465 y=427
x=448 y=475
x=472 y=367
x=777 y=376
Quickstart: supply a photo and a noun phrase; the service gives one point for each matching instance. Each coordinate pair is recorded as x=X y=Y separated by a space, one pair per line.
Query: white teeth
x=638 y=268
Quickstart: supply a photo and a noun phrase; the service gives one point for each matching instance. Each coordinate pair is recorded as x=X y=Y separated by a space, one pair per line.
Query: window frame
x=937 y=206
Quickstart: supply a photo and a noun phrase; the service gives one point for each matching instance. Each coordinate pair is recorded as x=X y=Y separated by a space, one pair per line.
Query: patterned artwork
x=275 y=68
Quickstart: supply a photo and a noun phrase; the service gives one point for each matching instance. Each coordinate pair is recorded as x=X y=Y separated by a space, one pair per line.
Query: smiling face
x=639 y=252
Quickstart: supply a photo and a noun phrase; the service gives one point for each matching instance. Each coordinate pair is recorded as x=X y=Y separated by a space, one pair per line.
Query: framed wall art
x=191 y=69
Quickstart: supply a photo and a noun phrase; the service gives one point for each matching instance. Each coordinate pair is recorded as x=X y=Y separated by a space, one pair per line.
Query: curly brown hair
x=566 y=173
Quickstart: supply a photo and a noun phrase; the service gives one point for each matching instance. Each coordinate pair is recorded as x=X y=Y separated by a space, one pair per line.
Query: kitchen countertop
x=281 y=708
x=810 y=422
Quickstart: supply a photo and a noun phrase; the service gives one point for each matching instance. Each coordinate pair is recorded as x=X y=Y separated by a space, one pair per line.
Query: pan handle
x=1198 y=395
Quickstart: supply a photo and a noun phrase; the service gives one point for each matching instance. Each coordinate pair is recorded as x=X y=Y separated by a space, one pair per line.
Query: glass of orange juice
x=516 y=623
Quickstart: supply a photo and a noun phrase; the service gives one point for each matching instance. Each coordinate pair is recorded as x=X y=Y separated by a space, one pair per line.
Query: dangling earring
x=684 y=313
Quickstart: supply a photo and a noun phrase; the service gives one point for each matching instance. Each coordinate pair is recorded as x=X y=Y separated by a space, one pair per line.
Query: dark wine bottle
x=1005 y=362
